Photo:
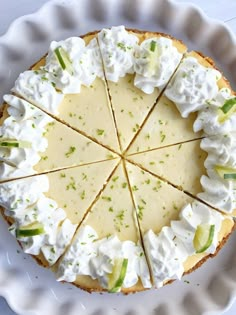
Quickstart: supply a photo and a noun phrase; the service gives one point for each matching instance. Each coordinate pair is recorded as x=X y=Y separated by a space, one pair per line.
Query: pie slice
x=187 y=91
x=39 y=224
x=47 y=208
x=109 y=234
x=75 y=188
x=60 y=145
x=178 y=232
x=133 y=95
x=185 y=94
x=168 y=161
x=76 y=70
x=164 y=127
x=154 y=198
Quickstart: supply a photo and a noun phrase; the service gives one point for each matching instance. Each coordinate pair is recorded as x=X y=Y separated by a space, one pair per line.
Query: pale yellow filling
x=157 y=202
x=182 y=165
x=114 y=213
x=76 y=188
x=131 y=106
x=67 y=148
x=164 y=127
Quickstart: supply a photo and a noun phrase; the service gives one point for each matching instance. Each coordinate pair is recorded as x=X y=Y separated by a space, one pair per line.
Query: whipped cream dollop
x=25 y=123
x=83 y=65
x=221 y=150
x=218 y=192
x=95 y=257
x=208 y=118
x=155 y=61
x=19 y=194
x=168 y=250
x=58 y=231
x=192 y=86
x=9 y=171
x=25 y=202
x=36 y=87
x=117 y=48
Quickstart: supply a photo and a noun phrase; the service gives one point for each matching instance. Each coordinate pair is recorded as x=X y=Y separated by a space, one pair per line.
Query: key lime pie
x=118 y=160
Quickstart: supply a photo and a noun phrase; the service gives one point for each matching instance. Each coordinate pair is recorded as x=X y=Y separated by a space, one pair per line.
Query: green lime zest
x=31 y=229
x=116 y=278
x=203 y=237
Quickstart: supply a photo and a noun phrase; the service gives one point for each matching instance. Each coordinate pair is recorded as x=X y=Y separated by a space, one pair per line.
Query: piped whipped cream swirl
x=193 y=86
x=221 y=150
x=24 y=201
x=154 y=63
x=218 y=192
x=117 y=47
x=168 y=250
x=85 y=64
x=208 y=118
x=36 y=88
x=95 y=257
x=25 y=123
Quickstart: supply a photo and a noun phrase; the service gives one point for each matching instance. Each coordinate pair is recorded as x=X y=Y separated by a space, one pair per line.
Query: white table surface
x=224 y=10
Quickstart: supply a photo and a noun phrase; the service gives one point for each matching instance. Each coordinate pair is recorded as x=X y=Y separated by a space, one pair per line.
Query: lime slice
x=116 y=278
x=226 y=172
x=153 y=57
x=64 y=60
x=227 y=110
x=9 y=143
x=153 y=45
x=32 y=229
x=203 y=237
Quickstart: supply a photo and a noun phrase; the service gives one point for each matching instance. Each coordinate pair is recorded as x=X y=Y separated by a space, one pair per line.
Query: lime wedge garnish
x=230 y=176
x=226 y=172
x=9 y=143
x=153 y=57
x=64 y=60
x=203 y=237
x=116 y=278
x=32 y=229
x=227 y=110
x=153 y=45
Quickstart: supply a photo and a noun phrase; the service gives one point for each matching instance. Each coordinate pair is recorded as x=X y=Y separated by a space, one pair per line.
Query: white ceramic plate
x=31 y=289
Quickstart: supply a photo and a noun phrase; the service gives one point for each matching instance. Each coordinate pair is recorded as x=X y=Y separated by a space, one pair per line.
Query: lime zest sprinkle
x=70 y=151
x=100 y=132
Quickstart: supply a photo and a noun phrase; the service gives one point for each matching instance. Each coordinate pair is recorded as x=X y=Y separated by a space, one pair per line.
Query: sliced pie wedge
x=60 y=145
x=84 y=103
x=130 y=104
x=76 y=188
x=164 y=127
x=157 y=202
x=170 y=222
x=167 y=163
x=48 y=208
x=107 y=237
